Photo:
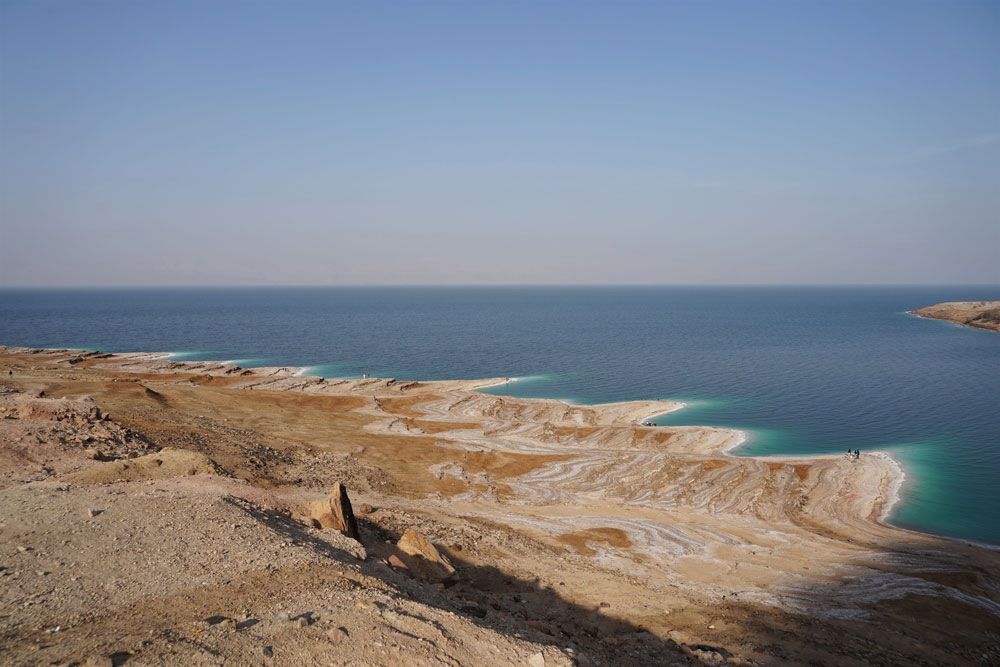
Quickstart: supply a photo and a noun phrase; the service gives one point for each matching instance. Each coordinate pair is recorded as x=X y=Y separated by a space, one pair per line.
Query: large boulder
x=335 y=512
x=423 y=559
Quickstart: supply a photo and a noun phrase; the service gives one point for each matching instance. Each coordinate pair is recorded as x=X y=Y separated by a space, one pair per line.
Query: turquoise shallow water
x=802 y=370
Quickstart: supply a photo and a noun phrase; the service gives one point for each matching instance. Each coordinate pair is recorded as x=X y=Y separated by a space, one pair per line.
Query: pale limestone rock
x=423 y=558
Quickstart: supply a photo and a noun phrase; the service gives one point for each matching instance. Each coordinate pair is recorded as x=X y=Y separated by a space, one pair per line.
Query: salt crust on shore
x=666 y=505
x=286 y=378
x=692 y=440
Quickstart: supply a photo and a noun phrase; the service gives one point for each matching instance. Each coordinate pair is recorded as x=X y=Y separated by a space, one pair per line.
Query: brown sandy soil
x=152 y=512
x=978 y=314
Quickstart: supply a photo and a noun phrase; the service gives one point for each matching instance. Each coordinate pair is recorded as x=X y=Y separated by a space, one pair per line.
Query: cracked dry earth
x=155 y=512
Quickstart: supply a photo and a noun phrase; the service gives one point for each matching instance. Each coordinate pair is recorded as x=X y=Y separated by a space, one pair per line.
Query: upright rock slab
x=335 y=512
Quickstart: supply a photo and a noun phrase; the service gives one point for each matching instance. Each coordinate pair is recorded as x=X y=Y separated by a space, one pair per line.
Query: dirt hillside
x=159 y=513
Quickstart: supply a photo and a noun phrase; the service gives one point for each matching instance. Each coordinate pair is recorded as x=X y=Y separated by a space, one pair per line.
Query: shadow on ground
x=920 y=604
x=493 y=599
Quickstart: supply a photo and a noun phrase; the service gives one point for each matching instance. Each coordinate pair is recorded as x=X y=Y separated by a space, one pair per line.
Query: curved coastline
x=618 y=416
x=501 y=383
x=637 y=521
x=893 y=497
x=678 y=405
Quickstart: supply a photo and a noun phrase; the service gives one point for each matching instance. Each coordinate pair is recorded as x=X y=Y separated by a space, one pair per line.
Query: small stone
x=543 y=627
x=41 y=573
x=396 y=563
x=99 y=661
x=267 y=651
x=301 y=622
x=473 y=610
x=537 y=660
x=229 y=623
x=365 y=508
x=337 y=634
x=283 y=617
x=91 y=512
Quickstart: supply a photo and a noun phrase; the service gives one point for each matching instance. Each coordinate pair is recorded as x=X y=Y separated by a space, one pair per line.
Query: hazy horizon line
x=479 y=285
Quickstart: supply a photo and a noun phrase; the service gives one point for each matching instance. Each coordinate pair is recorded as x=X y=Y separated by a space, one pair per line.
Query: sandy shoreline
x=664 y=407
x=627 y=541
x=956 y=323
x=895 y=486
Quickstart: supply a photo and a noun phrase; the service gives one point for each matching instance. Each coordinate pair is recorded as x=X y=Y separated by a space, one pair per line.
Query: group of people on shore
x=853 y=454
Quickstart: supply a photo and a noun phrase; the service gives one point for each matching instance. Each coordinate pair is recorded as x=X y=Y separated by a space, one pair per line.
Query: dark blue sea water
x=803 y=370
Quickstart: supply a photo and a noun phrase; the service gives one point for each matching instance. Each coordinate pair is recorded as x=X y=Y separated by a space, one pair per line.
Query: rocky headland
x=977 y=314
x=155 y=512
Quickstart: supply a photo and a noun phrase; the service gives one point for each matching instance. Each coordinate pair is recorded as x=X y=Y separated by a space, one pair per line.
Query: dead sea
x=608 y=524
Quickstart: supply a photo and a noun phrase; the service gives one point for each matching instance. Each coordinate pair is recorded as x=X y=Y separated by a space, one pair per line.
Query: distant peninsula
x=978 y=314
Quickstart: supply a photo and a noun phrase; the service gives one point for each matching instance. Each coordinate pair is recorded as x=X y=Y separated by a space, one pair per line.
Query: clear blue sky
x=212 y=142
